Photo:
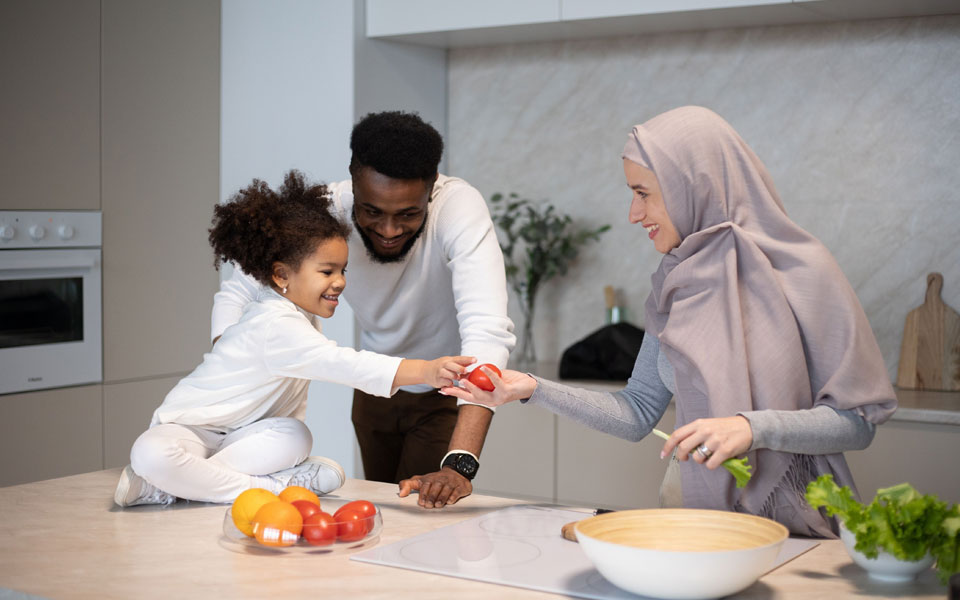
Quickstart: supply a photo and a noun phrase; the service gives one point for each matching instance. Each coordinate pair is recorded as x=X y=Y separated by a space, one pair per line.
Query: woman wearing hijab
x=751 y=327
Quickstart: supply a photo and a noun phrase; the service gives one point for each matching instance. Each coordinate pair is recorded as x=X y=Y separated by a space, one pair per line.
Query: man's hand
x=446 y=486
x=438 y=489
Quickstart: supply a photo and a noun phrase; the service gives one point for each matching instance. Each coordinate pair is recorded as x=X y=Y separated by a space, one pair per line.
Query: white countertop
x=63 y=538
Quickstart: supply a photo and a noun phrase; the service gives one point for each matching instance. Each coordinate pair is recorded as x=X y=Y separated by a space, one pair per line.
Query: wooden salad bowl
x=681 y=553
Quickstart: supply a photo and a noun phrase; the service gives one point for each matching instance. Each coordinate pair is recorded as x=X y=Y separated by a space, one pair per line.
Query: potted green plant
x=898 y=534
x=539 y=243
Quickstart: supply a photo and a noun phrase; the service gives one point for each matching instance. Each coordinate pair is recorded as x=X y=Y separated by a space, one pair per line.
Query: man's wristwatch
x=462 y=462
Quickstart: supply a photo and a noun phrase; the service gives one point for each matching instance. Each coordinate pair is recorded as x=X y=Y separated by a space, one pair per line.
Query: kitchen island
x=64 y=538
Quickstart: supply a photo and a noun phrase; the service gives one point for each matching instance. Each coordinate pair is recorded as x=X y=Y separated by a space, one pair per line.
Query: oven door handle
x=47 y=264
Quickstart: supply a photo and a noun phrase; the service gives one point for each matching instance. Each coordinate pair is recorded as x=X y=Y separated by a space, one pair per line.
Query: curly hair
x=397 y=144
x=259 y=226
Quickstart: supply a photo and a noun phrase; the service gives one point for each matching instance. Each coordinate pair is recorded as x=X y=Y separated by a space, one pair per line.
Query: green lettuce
x=740 y=470
x=738 y=467
x=899 y=520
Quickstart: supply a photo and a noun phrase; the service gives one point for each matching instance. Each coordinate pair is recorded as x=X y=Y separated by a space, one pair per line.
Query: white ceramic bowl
x=885 y=567
x=681 y=553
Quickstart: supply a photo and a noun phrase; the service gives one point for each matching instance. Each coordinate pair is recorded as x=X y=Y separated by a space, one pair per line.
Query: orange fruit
x=295 y=492
x=246 y=506
x=277 y=524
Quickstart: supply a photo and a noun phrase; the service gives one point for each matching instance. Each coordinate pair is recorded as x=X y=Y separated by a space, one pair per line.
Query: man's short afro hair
x=396 y=144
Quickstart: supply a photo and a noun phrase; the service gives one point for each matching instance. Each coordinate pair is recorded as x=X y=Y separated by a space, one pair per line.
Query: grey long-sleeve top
x=632 y=412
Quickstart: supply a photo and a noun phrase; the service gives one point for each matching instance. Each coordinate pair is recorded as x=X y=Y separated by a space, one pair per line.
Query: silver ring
x=703 y=451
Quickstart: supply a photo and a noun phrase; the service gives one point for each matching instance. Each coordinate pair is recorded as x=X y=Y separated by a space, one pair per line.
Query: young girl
x=236 y=421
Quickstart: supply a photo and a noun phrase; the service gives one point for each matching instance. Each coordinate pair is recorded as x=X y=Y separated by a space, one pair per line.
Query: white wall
x=287 y=102
x=398 y=76
x=295 y=76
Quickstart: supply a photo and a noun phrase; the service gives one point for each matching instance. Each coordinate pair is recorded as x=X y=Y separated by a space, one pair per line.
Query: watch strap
x=464 y=463
x=447 y=455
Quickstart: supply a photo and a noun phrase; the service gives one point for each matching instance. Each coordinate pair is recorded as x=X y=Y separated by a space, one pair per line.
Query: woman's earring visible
x=284 y=290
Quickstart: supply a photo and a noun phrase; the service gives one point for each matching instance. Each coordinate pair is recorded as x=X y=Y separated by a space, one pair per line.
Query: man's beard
x=388 y=258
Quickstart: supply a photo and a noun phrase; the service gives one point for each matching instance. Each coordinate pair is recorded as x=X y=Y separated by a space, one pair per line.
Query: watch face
x=466 y=465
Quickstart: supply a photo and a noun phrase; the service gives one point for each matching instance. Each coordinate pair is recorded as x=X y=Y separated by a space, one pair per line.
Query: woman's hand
x=512 y=385
x=725 y=437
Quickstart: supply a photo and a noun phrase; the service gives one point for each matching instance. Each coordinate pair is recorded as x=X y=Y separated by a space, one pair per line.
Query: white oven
x=50 y=300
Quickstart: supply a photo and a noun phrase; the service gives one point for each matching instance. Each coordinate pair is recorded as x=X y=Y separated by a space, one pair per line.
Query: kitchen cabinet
x=50 y=433
x=533 y=454
x=127 y=408
x=598 y=469
x=519 y=455
x=115 y=105
x=597 y=9
x=922 y=454
x=456 y=24
x=388 y=17
x=161 y=115
x=50 y=105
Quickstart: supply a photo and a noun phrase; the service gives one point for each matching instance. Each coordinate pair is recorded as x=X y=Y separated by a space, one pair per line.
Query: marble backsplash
x=858 y=122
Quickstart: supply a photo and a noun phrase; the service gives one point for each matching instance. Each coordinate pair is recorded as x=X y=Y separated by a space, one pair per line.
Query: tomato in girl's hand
x=351 y=525
x=306 y=508
x=319 y=529
x=480 y=379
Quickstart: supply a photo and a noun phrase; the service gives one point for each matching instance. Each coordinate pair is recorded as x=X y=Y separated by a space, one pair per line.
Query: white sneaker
x=317 y=473
x=133 y=490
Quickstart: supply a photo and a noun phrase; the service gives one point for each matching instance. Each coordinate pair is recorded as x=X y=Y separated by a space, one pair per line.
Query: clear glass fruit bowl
x=237 y=541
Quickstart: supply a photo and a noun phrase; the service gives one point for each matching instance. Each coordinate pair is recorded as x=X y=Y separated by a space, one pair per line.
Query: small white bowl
x=681 y=553
x=885 y=567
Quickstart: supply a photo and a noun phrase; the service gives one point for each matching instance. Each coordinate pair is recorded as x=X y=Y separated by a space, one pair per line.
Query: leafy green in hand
x=740 y=470
x=738 y=467
x=899 y=520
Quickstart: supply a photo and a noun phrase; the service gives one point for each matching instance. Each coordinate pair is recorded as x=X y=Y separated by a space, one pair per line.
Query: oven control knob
x=65 y=232
x=7 y=232
x=37 y=232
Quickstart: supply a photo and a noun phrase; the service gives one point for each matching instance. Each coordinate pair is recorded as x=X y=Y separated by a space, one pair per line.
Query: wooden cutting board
x=930 y=352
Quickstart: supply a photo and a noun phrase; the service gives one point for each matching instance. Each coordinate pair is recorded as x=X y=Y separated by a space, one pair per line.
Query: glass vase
x=526 y=355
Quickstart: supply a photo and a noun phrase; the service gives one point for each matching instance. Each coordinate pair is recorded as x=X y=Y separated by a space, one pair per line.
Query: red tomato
x=480 y=379
x=351 y=525
x=319 y=529
x=366 y=509
x=306 y=508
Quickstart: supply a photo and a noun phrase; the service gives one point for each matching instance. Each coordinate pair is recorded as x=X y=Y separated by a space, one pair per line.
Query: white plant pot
x=885 y=567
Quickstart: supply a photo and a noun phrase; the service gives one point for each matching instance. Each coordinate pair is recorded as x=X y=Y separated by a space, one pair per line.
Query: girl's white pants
x=208 y=466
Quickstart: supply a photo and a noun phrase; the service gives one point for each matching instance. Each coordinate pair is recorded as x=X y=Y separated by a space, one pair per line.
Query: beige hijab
x=752 y=312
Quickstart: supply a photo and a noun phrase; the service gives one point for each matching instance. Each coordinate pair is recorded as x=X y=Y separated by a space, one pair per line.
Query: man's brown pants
x=404 y=435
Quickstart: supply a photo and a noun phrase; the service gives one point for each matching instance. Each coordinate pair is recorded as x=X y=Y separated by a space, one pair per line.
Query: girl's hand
x=444 y=371
x=512 y=385
x=725 y=437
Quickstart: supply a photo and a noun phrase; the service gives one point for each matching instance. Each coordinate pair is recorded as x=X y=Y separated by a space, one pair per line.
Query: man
x=426 y=279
